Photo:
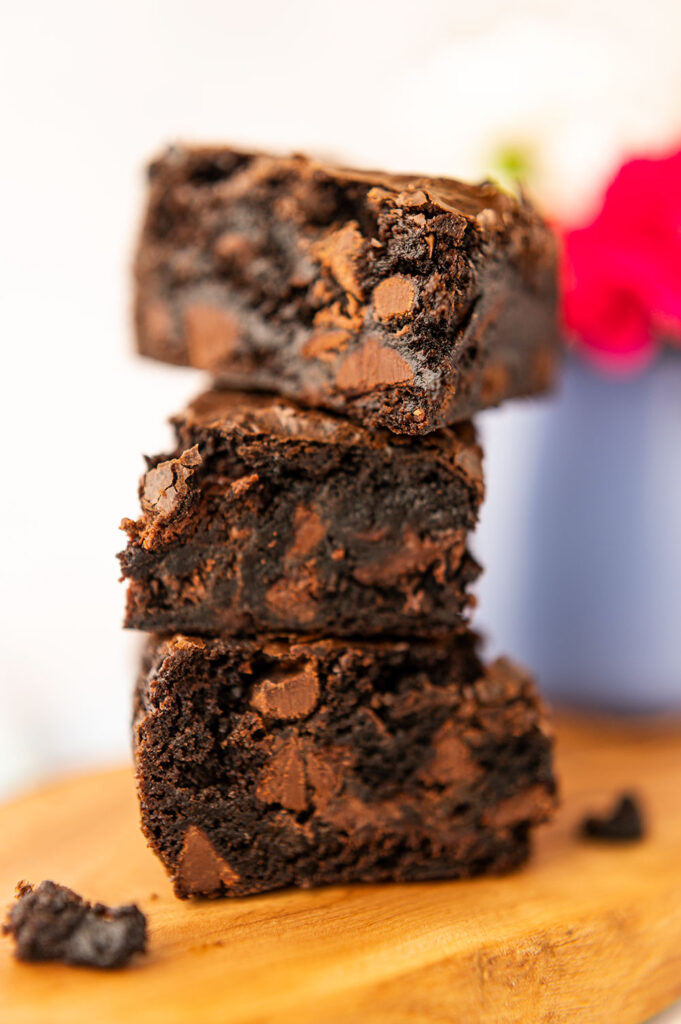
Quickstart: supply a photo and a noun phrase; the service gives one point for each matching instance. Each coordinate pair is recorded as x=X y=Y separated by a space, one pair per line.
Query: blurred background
x=563 y=91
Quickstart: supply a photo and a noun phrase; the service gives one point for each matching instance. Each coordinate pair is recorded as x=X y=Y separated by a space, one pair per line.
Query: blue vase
x=581 y=537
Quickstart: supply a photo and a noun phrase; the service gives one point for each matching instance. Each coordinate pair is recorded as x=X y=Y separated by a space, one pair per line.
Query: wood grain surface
x=586 y=933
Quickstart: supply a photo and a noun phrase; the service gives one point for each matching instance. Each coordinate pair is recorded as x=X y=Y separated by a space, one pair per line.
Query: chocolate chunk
x=340 y=253
x=291 y=696
x=624 y=824
x=452 y=758
x=387 y=767
x=51 y=922
x=212 y=335
x=403 y=302
x=200 y=868
x=283 y=781
x=371 y=367
x=166 y=496
x=394 y=297
x=165 y=487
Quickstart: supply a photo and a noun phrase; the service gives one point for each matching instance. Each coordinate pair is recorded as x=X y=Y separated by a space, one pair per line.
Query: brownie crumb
x=51 y=922
x=624 y=824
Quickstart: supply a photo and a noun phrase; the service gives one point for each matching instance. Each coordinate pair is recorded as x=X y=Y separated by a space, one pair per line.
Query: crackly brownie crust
x=401 y=301
x=269 y=517
x=269 y=763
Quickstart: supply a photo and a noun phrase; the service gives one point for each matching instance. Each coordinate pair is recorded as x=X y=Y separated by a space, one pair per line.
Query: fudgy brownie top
x=260 y=415
x=209 y=164
x=256 y=432
x=401 y=301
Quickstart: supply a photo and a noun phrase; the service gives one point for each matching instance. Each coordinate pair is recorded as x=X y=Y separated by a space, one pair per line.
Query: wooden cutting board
x=586 y=933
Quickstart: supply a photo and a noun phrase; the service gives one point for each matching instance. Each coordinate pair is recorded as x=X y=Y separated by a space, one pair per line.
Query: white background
x=88 y=92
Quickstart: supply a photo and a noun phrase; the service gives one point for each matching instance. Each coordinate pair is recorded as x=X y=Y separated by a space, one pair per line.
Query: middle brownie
x=270 y=517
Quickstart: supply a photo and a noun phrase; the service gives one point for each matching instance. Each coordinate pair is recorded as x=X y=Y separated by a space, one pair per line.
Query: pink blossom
x=622 y=272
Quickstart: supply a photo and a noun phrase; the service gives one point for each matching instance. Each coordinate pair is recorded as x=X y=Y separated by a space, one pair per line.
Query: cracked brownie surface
x=402 y=301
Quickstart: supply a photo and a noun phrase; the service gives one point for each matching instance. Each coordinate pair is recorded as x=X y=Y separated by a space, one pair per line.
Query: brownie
x=268 y=763
x=404 y=302
x=51 y=922
x=269 y=517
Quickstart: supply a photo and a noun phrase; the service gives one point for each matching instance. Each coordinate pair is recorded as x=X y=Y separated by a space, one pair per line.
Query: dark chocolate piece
x=53 y=923
x=624 y=824
x=263 y=764
x=268 y=518
x=401 y=301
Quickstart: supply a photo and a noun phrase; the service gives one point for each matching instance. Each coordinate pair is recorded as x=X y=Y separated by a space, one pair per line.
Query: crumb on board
x=51 y=922
x=624 y=823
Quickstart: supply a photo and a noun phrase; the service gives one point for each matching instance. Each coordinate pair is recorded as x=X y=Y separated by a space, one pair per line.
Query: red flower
x=622 y=272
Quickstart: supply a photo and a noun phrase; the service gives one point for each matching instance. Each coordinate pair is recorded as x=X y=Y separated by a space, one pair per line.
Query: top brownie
x=403 y=302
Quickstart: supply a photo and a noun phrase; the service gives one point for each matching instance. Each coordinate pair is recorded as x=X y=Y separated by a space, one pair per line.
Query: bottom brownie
x=269 y=763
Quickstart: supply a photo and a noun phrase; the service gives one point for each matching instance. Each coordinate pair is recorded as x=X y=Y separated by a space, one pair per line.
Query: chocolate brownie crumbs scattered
x=51 y=922
x=624 y=824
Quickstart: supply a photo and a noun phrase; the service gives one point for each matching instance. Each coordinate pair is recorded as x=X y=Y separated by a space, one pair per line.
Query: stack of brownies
x=312 y=707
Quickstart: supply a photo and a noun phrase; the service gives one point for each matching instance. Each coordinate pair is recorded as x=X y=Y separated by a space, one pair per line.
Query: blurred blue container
x=581 y=538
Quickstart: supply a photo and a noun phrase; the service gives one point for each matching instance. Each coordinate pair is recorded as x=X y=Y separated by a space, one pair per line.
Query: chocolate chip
x=394 y=297
x=288 y=695
x=164 y=488
x=200 y=867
